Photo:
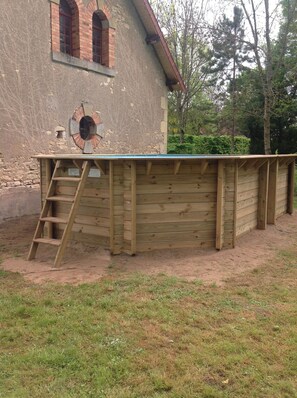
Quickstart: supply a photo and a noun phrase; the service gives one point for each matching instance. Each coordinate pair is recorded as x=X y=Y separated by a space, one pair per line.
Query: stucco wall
x=38 y=94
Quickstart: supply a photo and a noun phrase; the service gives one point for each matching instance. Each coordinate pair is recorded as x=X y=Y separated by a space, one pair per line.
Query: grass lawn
x=152 y=337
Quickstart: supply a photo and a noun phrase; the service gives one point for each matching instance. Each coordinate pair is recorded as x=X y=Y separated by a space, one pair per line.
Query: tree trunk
x=267 y=115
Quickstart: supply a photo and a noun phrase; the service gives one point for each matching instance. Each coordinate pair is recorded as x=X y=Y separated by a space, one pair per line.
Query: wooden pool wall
x=141 y=205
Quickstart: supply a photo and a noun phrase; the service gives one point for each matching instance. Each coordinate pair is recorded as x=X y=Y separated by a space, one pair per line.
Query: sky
x=218 y=8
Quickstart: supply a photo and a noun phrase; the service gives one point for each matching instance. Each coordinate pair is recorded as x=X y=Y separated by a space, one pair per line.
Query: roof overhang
x=156 y=38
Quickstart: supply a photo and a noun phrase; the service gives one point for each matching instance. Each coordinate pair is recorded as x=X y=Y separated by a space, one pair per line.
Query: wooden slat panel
x=291 y=182
x=185 y=226
x=282 y=191
x=186 y=168
x=263 y=195
x=175 y=179
x=220 y=205
x=204 y=187
x=272 y=192
x=235 y=204
x=177 y=217
x=48 y=177
x=176 y=198
x=172 y=208
x=111 y=207
x=194 y=236
x=149 y=246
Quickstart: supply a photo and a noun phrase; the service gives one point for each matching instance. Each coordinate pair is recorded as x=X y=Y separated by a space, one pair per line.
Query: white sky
x=218 y=8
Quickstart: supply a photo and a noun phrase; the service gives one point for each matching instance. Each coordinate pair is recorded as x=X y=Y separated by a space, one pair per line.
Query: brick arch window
x=66 y=22
x=101 y=38
x=97 y=31
x=85 y=30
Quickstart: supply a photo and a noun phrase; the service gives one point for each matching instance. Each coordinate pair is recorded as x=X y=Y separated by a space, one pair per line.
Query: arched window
x=65 y=27
x=97 y=39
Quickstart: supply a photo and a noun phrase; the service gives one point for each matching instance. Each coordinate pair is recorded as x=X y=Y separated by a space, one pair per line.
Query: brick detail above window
x=82 y=31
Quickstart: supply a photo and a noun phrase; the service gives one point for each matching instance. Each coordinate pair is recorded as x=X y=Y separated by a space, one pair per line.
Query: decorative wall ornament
x=86 y=128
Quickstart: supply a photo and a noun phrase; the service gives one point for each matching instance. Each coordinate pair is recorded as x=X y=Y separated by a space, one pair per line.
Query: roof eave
x=174 y=80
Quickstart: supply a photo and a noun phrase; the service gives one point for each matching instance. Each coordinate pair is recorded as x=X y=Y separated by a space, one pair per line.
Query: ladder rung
x=54 y=220
x=54 y=242
x=67 y=179
x=61 y=199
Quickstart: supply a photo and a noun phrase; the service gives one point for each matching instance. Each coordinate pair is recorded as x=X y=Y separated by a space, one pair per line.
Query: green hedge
x=208 y=144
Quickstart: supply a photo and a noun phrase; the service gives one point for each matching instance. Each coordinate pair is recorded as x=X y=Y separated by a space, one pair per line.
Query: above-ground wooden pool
x=144 y=202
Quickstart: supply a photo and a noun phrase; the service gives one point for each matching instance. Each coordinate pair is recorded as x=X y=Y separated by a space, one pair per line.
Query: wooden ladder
x=46 y=216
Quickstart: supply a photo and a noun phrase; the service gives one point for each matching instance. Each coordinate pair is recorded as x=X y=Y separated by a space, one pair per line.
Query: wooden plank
x=78 y=163
x=176 y=198
x=291 y=182
x=173 y=217
x=261 y=163
x=243 y=204
x=172 y=207
x=48 y=177
x=250 y=164
x=272 y=192
x=242 y=196
x=90 y=239
x=248 y=210
x=220 y=206
x=177 y=164
x=55 y=220
x=235 y=198
x=149 y=165
x=177 y=188
x=185 y=226
x=190 y=236
x=67 y=232
x=248 y=187
x=186 y=168
x=87 y=229
x=100 y=164
x=111 y=206
x=175 y=179
x=59 y=198
x=263 y=195
x=243 y=229
x=44 y=213
x=53 y=242
x=204 y=166
x=42 y=181
x=133 y=207
x=150 y=246
x=241 y=164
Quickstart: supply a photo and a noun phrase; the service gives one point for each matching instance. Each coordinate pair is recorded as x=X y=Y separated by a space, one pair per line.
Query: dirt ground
x=85 y=264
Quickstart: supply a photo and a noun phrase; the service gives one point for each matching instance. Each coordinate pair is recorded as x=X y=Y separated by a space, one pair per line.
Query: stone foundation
x=19 y=201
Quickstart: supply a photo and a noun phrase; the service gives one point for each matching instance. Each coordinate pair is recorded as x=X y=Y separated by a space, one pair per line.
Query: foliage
x=263 y=46
x=183 y=24
x=283 y=112
x=220 y=145
x=202 y=117
x=228 y=56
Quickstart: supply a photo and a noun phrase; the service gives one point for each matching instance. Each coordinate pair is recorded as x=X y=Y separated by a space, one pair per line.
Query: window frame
x=97 y=48
x=64 y=17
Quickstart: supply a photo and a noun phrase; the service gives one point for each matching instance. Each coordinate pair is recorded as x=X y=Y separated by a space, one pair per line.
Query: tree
x=182 y=24
x=283 y=126
x=229 y=53
x=262 y=44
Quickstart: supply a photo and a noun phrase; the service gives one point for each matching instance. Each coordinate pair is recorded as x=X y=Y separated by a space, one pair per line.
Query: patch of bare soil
x=83 y=264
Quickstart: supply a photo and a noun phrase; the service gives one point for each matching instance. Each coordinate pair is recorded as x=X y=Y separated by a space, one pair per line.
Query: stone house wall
x=40 y=91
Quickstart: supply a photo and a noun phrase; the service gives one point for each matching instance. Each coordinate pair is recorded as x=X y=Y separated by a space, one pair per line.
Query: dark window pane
x=97 y=39
x=65 y=27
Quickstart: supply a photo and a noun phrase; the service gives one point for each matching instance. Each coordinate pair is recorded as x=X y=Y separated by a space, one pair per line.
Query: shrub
x=208 y=144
